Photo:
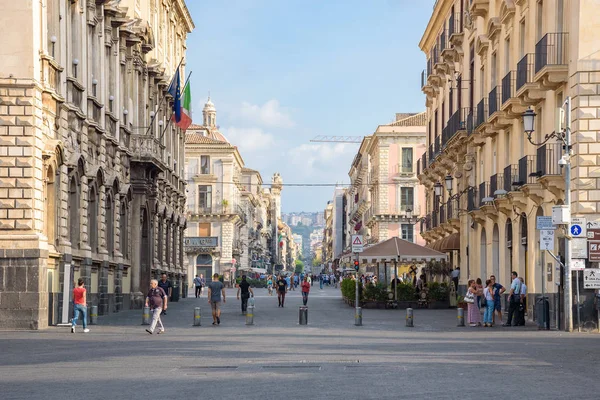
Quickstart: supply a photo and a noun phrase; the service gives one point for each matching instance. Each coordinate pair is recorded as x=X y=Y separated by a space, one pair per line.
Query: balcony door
x=406 y=199
x=204 y=197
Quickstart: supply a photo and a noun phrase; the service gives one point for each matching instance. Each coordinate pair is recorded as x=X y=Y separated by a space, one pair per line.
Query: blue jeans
x=489 y=312
x=76 y=310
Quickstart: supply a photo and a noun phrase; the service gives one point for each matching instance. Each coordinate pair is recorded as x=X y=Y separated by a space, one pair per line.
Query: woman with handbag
x=473 y=314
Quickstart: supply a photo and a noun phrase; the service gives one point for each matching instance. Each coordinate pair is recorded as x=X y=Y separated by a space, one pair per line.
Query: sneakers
x=72 y=329
x=161 y=331
x=149 y=331
x=218 y=321
x=86 y=330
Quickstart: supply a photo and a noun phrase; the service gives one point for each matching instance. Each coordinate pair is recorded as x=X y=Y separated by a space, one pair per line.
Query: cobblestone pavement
x=328 y=359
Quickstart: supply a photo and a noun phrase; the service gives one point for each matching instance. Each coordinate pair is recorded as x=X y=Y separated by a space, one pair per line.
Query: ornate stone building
x=89 y=187
x=231 y=217
x=488 y=61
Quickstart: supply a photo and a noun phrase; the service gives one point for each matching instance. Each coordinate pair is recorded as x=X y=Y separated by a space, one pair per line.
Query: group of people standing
x=489 y=297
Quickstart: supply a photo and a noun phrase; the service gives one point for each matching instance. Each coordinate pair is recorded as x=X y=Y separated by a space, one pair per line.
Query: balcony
x=551 y=60
x=528 y=179
x=479 y=8
x=442 y=214
x=394 y=213
x=548 y=170
x=483 y=193
x=497 y=119
x=528 y=90
x=481 y=115
x=400 y=170
x=496 y=182
x=51 y=72
x=456 y=33
x=75 y=92
x=94 y=110
x=511 y=104
x=148 y=150
x=472 y=200
x=447 y=54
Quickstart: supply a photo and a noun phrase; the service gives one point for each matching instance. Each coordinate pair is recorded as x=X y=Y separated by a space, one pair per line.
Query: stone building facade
x=488 y=61
x=231 y=217
x=90 y=165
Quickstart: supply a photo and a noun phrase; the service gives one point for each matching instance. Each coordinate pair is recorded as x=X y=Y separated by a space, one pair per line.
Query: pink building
x=384 y=188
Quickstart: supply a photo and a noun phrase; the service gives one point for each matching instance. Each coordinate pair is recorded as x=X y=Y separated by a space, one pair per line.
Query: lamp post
x=565 y=137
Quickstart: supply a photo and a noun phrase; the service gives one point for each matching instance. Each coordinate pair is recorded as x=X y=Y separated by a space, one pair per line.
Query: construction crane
x=338 y=139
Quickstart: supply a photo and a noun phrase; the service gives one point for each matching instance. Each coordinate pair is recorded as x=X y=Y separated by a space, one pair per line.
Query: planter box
x=407 y=304
x=439 y=305
x=374 y=304
x=463 y=305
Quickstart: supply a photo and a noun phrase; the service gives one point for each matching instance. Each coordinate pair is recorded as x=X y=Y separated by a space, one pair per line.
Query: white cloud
x=269 y=114
x=329 y=161
x=249 y=139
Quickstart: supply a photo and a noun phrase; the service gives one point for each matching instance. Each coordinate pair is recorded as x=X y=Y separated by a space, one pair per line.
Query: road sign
x=591 y=278
x=547 y=239
x=594 y=254
x=578 y=227
x=357 y=243
x=593 y=234
x=577 y=264
x=579 y=248
x=544 y=223
x=593 y=224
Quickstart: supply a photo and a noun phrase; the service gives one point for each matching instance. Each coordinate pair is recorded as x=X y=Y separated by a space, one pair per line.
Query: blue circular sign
x=575 y=230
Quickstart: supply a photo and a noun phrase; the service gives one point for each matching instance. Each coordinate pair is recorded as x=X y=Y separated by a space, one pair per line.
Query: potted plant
x=225 y=204
x=438 y=295
x=461 y=303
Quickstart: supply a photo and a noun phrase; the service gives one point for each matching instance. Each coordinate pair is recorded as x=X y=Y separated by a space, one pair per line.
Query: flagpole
x=170 y=119
x=161 y=100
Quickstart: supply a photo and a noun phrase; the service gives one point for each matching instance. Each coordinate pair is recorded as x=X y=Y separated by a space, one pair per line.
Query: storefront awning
x=449 y=243
x=259 y=270
x=402 y=251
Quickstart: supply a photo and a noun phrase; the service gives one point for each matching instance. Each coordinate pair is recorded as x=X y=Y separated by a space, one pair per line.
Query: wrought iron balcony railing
x=552 y=49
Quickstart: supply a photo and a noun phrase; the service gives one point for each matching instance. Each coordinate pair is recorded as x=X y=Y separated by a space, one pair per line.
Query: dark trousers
x=245 y=297
x=304 y=298
x=513 y=310
x=281 y=298
x=520 y=317
x=455 y=280
x=198 y=290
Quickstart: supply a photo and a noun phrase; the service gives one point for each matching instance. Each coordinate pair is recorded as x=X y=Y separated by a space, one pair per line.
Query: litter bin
x=175 y=293
x=542 y=310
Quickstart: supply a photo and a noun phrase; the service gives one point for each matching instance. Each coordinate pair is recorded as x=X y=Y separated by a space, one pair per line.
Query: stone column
x=136 y=241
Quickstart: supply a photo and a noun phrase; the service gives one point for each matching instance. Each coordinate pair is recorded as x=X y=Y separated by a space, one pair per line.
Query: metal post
x=94 y=315
x=568 y=281
x=578 y=308
x=356 y=299
x=197 y=316
x=543 y=260
x=409 y=318
x=303 y=315
x=460 y=316
x=146 y=316
x=358 y=316
x=250 y=315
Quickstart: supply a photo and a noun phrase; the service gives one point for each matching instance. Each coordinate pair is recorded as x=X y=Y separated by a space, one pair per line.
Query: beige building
x=487 y=63
x=85 y=177
x=384 y=184
x=231 y=217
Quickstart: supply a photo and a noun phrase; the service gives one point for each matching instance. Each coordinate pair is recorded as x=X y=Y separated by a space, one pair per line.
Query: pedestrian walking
x=305 y=290
x=498 y=291
x=455 y=275
x=198 y=285
x=203 y=281
x=246 y=290
x=157 y=301
x=79 y=306
x=281 y=290
x=216 y=289
x=488 y=297
x=472 y=308
x=167 y=286
x=515 y=300
x=270 y=285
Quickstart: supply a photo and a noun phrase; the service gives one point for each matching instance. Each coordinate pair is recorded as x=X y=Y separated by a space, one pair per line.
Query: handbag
x=469 y=298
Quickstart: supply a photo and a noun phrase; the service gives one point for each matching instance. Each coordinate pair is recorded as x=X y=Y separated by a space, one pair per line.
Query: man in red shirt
x=80 y=306
x=305 y=289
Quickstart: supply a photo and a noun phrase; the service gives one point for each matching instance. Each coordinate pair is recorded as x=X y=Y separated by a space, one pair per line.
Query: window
x=407 y=232
x=204 y=229
x=160 y=241
x=92 y=216
x=493 y=71
x=110 y=227
x=124 y=230
x=204 y=198
x=522 y=39
x=539 y=29
x=506 y=56
x=204 y=165
x=407 y=159
x=168 y=241
x=406 y=198
x=74 y=213
x=560 y=8
x=507 y=148
x=494 y=155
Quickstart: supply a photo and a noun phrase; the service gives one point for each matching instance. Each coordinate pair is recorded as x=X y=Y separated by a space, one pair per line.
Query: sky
x=281 y=72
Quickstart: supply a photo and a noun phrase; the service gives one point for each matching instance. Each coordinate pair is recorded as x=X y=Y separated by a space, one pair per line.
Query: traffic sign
x=593 y=234
x=577 y=264
x=591 y=278
x=578 y=227
x=593 y=225
x=594 y=251
x=547 y=239
x=544 y=223
x=357 y=243
x=579 y=248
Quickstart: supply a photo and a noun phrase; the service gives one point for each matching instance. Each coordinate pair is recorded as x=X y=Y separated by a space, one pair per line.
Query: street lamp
x=448 y=180
x=438 y=189
x=563 y=135
x=409 y=213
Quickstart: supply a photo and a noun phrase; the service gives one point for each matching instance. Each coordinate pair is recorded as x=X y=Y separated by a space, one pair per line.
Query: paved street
x=330 y=358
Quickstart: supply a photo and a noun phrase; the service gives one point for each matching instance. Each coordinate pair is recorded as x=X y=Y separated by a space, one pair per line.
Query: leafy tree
x=299 y=267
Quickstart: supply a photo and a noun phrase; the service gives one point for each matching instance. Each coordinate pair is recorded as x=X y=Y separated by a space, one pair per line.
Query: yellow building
x=488 y=61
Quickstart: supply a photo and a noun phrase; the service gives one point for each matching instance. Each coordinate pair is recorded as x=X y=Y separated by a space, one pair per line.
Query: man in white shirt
x=455 y=275
x=521 y=320
x=515 y=300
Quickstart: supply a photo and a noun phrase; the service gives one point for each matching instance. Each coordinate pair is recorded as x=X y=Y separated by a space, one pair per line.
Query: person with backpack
x=157 y=301
x=79 y=306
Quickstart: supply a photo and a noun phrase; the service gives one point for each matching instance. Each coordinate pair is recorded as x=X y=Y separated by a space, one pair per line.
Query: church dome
x=209 y=106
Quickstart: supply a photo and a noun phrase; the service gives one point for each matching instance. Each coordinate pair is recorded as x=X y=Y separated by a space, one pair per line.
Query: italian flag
x=186 y=109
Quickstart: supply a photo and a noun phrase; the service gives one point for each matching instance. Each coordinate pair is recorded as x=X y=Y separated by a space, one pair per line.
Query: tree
x=299 y=267
x=316 y=261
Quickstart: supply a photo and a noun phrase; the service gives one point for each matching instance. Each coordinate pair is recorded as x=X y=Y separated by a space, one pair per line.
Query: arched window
x=174 y=247
x=110 y=224
x=168 y=246
x=92 y=216
x=160 y=240
x=73 y=205
x=49 y=206
x=124 y=228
